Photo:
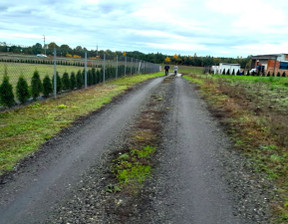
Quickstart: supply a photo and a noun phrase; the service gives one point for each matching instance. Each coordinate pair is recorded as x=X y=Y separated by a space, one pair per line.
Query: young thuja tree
x=269 y=74
x=58 y=83
x=238 y=72
x=6 y=92
x=224 y=72
x=94 y=79
x=36 y=85
x=47 y=86
x=79 y=80
x=228 y=72
x=89 y=78
x=83 y=76
x=66 y=81
x=283 y=74
x=98 y=76
x=22 y=90
x=72 y=80
x=233 y=72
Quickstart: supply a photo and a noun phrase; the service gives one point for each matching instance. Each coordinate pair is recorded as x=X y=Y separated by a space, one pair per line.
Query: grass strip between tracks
x=254 y=112
x=134 y=163
x=24 y=129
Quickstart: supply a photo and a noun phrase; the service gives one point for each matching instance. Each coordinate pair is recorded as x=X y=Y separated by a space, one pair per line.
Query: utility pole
x=44 y=44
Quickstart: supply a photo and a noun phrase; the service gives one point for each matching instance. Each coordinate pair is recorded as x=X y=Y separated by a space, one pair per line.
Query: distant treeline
x=157 y=58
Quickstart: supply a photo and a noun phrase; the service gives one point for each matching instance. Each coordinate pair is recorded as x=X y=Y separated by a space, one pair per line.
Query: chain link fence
x=64 y=73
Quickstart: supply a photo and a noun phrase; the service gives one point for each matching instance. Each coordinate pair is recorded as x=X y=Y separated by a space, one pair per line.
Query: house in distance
x=270 y=63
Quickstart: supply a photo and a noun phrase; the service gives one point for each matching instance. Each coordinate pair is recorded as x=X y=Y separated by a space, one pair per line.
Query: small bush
x=79 y=80
x=47 y=86
x=66 y=81
x=36 y=85
x=98 y=76
x=6 y=93
x=72 y=81
x=22 y=90
x=89 y=78
x=94 y=78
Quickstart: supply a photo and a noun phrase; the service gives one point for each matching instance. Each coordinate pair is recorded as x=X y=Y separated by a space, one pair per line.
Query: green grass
x=24 y=129
x=194 y=80
x=190 y=69
x=133 y=167
x=272 y=81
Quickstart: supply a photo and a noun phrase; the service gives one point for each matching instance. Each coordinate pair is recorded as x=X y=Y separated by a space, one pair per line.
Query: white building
x=219 y=69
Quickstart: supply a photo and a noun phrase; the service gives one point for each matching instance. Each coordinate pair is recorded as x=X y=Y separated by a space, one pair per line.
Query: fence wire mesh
x=74 y=72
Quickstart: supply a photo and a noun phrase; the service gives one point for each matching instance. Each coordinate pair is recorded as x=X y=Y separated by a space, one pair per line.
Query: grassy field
x=254 y=110
x=23 y=129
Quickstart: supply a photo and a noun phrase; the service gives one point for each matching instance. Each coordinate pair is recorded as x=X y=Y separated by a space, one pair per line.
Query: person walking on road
x=166 y=68
x=175 y=69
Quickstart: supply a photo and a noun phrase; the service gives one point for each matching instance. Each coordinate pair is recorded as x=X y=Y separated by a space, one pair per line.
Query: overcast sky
x=228 y=28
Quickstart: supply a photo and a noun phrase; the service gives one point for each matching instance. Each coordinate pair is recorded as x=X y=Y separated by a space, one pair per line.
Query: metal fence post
x=125 y=65
x=116 y=66
x=139 y=66
x=104 y=68
x=85 y=69
x=55 y=72
x=132 y=66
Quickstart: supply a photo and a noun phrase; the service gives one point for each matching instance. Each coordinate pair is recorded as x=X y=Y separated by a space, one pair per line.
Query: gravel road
x=197 y=177
x=43 y=182
x=200 y=179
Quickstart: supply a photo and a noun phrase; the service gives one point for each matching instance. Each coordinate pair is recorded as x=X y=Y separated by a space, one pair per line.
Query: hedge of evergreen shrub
x=47 y=86
x=79 y=79
x=66 y=81
x=22 y=90
x=72 y=81
x=6 y=93
x=36 y=85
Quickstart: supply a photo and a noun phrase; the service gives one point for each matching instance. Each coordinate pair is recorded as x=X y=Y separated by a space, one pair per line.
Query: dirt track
x=197 y=178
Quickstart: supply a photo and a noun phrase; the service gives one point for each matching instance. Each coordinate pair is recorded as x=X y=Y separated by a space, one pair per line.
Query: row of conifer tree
x=24 y=92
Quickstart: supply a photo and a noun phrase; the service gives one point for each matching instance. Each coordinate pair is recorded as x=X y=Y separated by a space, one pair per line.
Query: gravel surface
x=200 y=178
x=49 y=176
x=197 y=176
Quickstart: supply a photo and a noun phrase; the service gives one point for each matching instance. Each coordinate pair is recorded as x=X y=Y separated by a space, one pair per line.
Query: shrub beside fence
x=18 y=73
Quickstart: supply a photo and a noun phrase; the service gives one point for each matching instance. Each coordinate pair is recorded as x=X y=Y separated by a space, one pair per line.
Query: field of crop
x=254 y=111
